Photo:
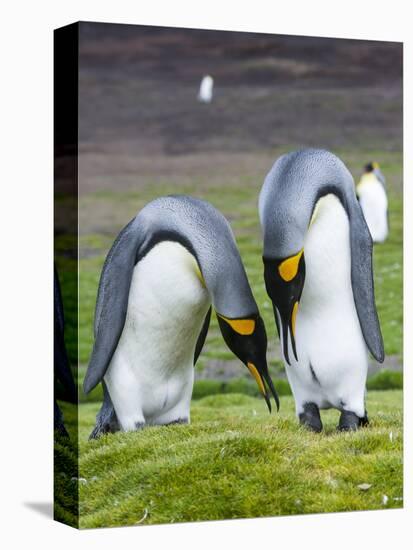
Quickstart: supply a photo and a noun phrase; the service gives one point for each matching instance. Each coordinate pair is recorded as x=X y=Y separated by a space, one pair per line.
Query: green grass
x=386 y=380
x=66 y=470
x=382 y=380
x=236 y=461
x=388 y=275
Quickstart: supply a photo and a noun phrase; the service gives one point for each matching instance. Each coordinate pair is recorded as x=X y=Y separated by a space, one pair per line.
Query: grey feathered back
x=207 y=233
x=199 y=227
x=290 y=191
x=287 y=200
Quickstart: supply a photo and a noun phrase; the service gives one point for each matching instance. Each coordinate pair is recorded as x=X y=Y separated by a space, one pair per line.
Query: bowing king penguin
x=371 y=191
x=167 y=267
x=318 y=273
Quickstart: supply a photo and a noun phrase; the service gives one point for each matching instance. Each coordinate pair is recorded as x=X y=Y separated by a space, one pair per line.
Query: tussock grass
x=235 y=461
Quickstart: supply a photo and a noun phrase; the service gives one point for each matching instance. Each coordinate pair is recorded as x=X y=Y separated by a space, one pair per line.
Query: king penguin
x=173 y=262
x=318 y=274
x=371 y=191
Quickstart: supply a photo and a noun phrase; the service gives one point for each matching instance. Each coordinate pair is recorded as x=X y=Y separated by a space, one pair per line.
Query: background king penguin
x=318 y=273
x=174 y=260
x=371 y=191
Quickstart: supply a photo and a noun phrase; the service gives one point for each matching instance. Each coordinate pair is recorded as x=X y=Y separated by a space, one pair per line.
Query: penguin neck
x=327 y=257
x=228 y=286
x=367 y=180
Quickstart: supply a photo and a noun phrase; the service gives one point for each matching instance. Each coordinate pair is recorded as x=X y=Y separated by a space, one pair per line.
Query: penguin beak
x=284 y=287
x=286 y=318
x=264 y=383
x=247 y=339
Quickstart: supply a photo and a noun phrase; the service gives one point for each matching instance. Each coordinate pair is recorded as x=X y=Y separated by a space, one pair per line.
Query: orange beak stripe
x=253 y=370
x=294 y=317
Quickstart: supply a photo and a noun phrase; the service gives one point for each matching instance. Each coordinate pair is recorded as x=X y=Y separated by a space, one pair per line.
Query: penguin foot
x=60 y=430
x=310 y=418
x=364 y=421
x=105 y=425
x=349 y=421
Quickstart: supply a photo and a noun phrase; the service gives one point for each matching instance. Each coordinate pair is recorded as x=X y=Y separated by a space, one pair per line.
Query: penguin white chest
x=332 y=366
x=150 y=377
x=373 y=201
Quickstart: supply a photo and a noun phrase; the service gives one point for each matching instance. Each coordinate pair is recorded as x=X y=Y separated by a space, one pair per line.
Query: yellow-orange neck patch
x=244 y=327
x=366 y=179
x=200 y=276
x=289 y=267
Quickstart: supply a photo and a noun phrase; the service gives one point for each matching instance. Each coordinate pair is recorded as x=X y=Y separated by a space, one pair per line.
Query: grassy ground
x=236 y=461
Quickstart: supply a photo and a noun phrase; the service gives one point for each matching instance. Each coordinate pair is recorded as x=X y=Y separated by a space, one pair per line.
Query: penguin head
x=284 y=282
x=247 y=339
x=371 y=167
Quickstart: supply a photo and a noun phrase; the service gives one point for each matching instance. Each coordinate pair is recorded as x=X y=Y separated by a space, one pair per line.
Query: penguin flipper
x=363 y=283
x=112 y=303
x=202 y=336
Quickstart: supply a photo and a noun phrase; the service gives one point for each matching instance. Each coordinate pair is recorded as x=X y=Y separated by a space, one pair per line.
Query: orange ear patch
x=244 y=327
x=289 y=267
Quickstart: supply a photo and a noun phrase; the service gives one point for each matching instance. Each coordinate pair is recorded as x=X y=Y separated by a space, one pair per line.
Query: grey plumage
x=287 y=200
x=380 y=176
x=195 y=224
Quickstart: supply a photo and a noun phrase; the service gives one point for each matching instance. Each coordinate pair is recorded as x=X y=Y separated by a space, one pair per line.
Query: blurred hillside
x=138 y=89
